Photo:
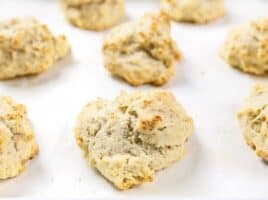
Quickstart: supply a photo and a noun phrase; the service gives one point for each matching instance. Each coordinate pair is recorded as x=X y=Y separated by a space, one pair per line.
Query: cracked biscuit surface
x=130 y=138
x=246 y=47
x=142 y=51
x=93 y=14
x=17 y=142
x=193 y=11
x=27 y=47
x=253 y=118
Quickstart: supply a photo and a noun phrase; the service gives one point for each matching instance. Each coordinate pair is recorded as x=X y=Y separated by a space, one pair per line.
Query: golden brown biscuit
x=17 y=143
x=127 y=140
x=142 y=51
x=194 y=11
x=253 y=118
x=246 y=47
x=93 y=14
x=28 y=47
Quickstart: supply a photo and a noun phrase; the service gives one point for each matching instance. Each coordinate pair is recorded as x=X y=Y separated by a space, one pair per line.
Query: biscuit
x=253 y=118
x=17 y=142
x=194 y=11
x=142 y=52
x=27 y=47
x=246 y=47
x=130 y=138
x=93 y=14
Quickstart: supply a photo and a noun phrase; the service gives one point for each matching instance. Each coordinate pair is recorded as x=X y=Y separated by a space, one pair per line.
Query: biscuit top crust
x=246 y=47
x=28 y=47
x=150 y=33
x=18 y=33
x=158 y=25
x=23 y=33
x=158 y=115
x=9 y=111
x=154 y=116
x=142 y=51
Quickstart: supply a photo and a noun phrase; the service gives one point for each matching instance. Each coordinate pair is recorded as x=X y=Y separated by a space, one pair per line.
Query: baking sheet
x=218 y=163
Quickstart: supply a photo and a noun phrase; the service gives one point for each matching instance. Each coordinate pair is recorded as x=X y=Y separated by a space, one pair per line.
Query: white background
x=218 y=162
